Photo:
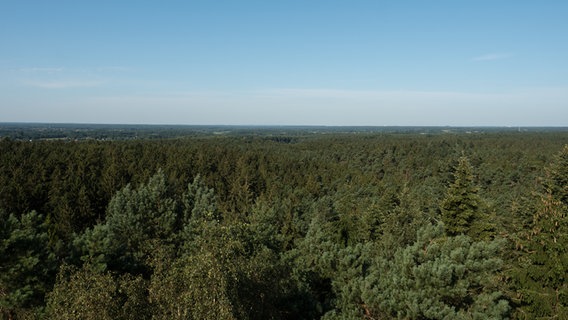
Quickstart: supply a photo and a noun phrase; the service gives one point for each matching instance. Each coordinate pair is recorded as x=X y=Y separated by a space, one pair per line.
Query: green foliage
x=134 y=219
x=26 y=263
x=280 y=225
x=437 y=277
x=199 y=202
x=193 y=287
x=462 y=208
x=398 y=222
x=199 y=207
x=556 y=182
x=462 y=201
x=353 y=265
x=253 y=276
x=87 y=294
x=542 y=270
x=314 y=261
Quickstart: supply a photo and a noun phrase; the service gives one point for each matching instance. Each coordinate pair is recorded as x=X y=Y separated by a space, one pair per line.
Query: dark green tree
x=556 y=182
x=463 y=210
x=27 y=266
x=541 y=272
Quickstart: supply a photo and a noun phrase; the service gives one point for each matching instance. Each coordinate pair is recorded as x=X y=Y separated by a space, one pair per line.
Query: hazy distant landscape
x=70 y=131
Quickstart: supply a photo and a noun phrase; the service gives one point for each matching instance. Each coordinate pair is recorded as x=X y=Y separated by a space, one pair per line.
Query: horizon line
x=273 y=125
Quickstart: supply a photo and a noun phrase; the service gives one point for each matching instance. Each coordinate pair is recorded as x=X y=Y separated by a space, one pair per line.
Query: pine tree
x=199 y=208
x=136 y=219
x=437 y=277
x=199 y=202
x=26 y=263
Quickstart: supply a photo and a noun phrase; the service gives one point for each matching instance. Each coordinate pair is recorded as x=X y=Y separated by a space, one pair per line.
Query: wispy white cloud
x=113 y=69
x=74 y=70
x=41 y=70
x=67 y=84
x=66 y=77
x=492 y=56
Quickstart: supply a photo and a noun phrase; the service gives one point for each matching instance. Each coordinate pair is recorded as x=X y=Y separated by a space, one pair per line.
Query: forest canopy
x=274 y=223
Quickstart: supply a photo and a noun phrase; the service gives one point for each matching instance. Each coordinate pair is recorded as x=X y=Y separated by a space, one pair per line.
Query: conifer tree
x=136 y=220
x=542 y=271
x=437 y=277
x=26 y=263
x=556 y=182
x=199 y=209
x=463 y=210
x=199 y=202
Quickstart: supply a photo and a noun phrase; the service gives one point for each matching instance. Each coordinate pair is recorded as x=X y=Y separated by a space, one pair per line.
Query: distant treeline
x=71 y=131
x=282 y=223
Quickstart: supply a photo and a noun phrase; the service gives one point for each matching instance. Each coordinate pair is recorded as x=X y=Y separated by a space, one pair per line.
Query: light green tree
x=87 y=293
x=192 y=287
x=437 y=277
x=137 y=219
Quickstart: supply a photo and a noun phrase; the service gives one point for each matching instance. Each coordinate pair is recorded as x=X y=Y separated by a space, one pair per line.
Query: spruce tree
x=463 y=210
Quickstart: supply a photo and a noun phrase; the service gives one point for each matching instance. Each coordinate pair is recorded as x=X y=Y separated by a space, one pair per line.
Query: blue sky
x=291 y=62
